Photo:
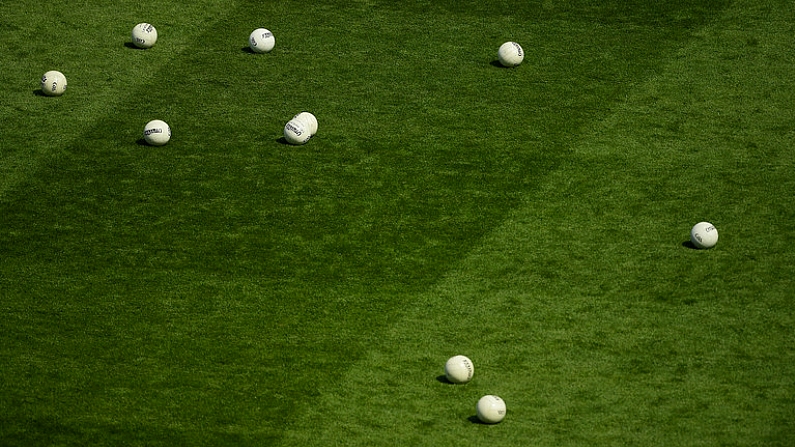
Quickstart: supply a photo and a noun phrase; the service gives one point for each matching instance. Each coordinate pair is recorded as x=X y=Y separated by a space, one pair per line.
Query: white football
x=53 y=83
x=261 y=40
x=510 y=54
x=704 y=235
x=157 y=133
x=144 y=35
x=296 y=132
x=308 y=119
x=491 y=409
x=459 y=369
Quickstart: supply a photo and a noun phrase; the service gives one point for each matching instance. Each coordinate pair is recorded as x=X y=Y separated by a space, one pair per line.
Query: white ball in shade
x=296 y=132
x=308 y=119
x=261 y=41
x=510 y=54
x=53 y=83
x=704 y=235
x=157 y=132
x=144 y=35
x=459 y=369
x=491 y=409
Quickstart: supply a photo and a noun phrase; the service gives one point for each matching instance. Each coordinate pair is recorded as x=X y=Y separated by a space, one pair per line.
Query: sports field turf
x=228 y=289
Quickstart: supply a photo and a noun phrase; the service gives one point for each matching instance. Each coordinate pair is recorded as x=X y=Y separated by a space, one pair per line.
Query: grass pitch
x=229 y=289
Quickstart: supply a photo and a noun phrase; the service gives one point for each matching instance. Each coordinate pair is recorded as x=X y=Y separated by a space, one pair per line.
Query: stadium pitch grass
x=231 y=289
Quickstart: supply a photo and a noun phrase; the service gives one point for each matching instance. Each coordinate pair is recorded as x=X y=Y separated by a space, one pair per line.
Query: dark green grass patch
x=228 y=289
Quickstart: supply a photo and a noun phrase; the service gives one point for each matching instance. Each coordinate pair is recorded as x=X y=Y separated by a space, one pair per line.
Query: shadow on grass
x=443 y=379
x=250 y=51
x=476 y=420
x=141 y=142
x=282 y=140
x=38 y=92
x=688 y=244
x=496 y=63
x=132 y=46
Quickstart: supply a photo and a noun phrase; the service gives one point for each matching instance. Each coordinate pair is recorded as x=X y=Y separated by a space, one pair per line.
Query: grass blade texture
x=231 y=289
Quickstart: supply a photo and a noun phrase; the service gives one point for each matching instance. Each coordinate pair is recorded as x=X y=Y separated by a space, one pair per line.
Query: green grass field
x=230 y=289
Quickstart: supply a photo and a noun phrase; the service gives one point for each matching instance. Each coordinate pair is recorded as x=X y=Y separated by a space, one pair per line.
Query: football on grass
x=261 y=40
x=53 y=83
x=144 y=35
x=491 y=409
x=296 y=132
x=704 y=235
x=157 y=133
x=510 y=54
x=459 y=369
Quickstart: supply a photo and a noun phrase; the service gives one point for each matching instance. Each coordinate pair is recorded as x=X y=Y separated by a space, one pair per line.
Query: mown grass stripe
x=90 y=44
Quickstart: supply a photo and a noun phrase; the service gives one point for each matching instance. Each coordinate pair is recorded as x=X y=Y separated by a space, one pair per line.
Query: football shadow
x=476 y=420
x=282 y=140
x=248 y=50
x=38 y=92
x=443 y=379
x=141 y=142
x=132 y=46
x=496 y=63
x=689 y=244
